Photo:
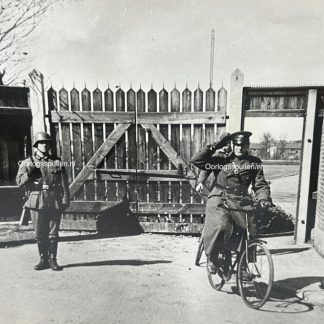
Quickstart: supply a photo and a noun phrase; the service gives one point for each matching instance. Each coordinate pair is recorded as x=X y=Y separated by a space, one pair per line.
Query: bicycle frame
x=254 y=276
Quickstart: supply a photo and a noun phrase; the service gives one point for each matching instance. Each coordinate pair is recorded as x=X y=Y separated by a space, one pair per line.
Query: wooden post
x=306 y=160
x=235 y=112
x=221 y=106
x=37 y=101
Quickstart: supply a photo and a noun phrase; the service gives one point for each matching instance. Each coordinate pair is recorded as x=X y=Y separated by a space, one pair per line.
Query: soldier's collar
x=242 y=157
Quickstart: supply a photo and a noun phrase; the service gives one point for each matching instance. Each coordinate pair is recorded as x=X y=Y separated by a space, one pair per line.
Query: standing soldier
x=44 y=178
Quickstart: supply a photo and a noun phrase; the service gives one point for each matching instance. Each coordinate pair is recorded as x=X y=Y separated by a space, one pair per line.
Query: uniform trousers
x=46 y=223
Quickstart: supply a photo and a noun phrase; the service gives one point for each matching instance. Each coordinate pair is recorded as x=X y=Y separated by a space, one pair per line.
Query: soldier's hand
x=264 y=204
x=224 y=139
x=35 y=172
x=199 y=187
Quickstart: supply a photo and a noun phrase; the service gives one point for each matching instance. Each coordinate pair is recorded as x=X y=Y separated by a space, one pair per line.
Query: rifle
x=24 y=217
x=25 y=214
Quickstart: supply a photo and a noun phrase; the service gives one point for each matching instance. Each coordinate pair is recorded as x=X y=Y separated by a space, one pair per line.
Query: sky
x=167 y=42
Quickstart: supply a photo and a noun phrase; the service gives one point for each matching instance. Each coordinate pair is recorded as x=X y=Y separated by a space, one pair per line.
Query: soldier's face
x=43 y=146
x=241 y=149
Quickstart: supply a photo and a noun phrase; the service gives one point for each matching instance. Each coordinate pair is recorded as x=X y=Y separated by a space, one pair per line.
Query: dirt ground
x=284 y=193
x=147 y=278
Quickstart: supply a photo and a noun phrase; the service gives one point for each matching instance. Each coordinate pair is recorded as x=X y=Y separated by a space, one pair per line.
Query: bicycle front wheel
x=255 y=275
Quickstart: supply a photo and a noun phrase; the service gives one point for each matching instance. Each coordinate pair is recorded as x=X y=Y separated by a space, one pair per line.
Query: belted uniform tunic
x=46 y=185
x=233 y=177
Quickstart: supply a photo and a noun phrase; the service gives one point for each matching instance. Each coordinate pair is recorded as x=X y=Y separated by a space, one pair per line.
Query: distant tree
x=281 y=146
x=18 y=19
x=266 y=140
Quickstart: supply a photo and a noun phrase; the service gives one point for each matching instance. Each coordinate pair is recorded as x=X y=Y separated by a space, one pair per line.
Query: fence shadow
x=134 y=262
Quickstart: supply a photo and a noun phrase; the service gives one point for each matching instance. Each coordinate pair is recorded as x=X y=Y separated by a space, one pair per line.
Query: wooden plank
x=140 y=178
x=168 y=118
x=96 y=207
x=164 y=130
x=54 y=127
x=87 y=142
x=210 y=100
x=65 y=128
x=121 y=147
x=185 y=146
x=155 y=173
x=98 y=140
x=304 y=185
x=221 y=106
x=210 y=129
x=173 y=156
x=103 y=150
x=275 y=113
x=147 y=227
x=152 y=148
x=142 y=189
x=131 y=145
x=16 y=111
x=78 y=225
x=63 y=100
x=197 y=133
x=180 y=228
x=283 y=92
x=111 y=188
x=77 y=143
x=175 y=143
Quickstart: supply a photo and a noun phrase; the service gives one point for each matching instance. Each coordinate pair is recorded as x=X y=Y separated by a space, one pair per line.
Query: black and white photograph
x=161 y=161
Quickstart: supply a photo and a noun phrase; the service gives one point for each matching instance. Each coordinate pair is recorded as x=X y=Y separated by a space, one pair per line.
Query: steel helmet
x=41 y=136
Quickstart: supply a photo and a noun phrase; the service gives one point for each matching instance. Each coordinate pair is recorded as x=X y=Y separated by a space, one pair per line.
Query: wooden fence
x=135 y=147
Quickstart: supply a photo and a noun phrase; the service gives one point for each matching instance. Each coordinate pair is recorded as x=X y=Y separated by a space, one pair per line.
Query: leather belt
x=239 y=191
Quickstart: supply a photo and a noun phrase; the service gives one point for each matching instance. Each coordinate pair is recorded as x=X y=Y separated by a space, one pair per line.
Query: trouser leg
x=54 y=225
x=41 y=235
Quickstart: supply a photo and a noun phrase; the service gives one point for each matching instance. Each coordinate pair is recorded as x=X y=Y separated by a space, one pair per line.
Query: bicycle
x=253 y=266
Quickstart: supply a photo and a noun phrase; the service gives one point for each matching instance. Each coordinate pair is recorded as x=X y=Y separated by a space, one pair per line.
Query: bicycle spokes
x=256 y=276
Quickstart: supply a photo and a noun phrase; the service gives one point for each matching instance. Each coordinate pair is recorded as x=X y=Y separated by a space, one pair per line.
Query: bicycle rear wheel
x=199 y=252
x=216 y=278
x=255 y=275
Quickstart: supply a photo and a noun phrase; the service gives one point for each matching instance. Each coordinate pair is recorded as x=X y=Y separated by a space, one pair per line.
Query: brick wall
x=319 y=222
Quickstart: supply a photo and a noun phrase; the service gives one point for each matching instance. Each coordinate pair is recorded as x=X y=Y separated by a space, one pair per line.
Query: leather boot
x=52 y=256
x=43 y=263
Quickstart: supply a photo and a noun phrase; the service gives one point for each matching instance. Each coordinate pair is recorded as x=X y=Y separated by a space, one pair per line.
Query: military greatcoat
x=233 y=178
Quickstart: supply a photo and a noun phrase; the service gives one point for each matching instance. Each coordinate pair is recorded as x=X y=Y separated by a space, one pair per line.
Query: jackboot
x=52 y=256
x=43 y=263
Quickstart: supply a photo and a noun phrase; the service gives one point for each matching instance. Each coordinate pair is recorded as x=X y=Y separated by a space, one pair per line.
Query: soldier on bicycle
x=234 y=174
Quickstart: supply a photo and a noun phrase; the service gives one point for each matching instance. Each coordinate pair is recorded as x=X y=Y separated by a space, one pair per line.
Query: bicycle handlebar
x=247 y=209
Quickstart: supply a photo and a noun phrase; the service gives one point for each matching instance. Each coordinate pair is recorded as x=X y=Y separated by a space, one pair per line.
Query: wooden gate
x=135 y=148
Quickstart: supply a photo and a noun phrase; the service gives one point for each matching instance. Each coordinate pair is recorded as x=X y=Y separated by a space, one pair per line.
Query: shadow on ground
x=116 y=262
x=289 y=250
x=288 y=288
x=284 y=295
x=70 y=238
